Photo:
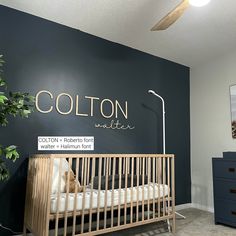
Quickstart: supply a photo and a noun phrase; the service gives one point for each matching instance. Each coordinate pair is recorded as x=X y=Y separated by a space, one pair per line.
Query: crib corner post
x=48 y=195
x=173 y=194
x=24 y=230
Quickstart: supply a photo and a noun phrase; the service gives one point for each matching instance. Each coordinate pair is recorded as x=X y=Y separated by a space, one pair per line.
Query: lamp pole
x=163 y=130
x=163 y=120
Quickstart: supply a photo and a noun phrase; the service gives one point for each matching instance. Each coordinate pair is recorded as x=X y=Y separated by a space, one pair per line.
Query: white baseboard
x=204 y=208
x=194 y=205
x=183 y=206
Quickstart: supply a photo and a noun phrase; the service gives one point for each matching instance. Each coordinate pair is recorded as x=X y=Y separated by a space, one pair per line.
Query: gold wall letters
x=107 y=107
x=37 y=101
x=57 y=103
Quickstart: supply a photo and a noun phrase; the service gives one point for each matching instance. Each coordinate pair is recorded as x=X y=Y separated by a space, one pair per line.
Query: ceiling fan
x=176 y=13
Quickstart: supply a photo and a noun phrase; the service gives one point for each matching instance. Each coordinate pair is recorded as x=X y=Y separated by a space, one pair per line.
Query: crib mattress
x=92 y=200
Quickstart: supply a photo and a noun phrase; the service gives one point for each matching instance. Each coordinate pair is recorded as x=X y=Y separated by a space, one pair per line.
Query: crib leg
x=24 y=230
x=168 y=223
x=174 y=225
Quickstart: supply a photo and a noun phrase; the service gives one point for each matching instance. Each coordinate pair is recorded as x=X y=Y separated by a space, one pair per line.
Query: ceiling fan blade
x=171 y=17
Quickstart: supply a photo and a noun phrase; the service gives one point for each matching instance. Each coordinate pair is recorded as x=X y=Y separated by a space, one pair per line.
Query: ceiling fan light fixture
x=199 y=3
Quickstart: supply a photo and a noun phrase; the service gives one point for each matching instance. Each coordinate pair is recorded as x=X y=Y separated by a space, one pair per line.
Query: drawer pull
x=233 y=213
x=232 y=190
x=231 y=169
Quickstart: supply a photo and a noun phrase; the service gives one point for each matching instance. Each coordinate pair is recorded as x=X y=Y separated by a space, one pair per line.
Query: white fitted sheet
x=118 y=197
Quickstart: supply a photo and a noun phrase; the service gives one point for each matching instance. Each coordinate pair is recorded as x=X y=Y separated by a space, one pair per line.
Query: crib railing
x=118 y=191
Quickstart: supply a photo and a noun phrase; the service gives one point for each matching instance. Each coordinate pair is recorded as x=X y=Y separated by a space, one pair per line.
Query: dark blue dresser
x=224 y=185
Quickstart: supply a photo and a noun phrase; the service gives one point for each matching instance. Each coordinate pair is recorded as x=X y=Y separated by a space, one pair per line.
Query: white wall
x=210 y=123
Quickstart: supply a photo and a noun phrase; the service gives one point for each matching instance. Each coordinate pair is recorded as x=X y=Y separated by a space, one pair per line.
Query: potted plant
x=11 y=104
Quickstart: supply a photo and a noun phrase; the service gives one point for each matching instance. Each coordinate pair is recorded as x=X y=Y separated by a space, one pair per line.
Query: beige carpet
x=197 y=223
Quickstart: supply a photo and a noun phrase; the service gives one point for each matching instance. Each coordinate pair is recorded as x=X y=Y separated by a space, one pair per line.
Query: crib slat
x=146 y=165
x=128 y=166
x=34 y=186
x=163 y=186
x=112 y=197
x=84 y=193
x=154 y=186
x=88 y=171
x=40 y=220
x=132 y=189
x=99 y=189
x=76 y=194
x=143 y=174
x=36 y=196
x=91 y=194
x=42 y=195
x=168 y=184
x=148 y=173
x=173 y=193
x=123 y=168
x=82 y=171
x=109 y=166
x=120 y=163
x=158 y=167
x=125 y=195
x=67 y=197
x=46 y=213
x=45 y=174
x=106 y=190
x=58 y=195
x=104 y=165
x=137 y=174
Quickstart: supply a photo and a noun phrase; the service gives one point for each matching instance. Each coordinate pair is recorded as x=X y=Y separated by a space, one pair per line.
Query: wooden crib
x=91 y=194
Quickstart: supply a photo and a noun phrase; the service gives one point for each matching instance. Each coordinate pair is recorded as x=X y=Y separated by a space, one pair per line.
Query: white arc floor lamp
x=164 y=130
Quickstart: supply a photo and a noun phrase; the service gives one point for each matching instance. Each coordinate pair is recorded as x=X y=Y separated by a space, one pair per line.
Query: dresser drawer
x=225 y=189
x=224 y=169
x=225 y=210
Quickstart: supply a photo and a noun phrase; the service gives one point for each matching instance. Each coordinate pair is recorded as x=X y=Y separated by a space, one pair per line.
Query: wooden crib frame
x=157 y=169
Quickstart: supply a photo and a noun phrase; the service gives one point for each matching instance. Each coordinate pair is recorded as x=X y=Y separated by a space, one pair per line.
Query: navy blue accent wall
x=42 y=55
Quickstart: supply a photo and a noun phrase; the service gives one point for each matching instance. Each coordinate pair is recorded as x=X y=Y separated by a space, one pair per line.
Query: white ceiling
x=202 y=34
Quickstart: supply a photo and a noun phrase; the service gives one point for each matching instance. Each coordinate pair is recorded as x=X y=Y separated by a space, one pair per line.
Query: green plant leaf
x=11 y=153
x=2 y=83
x=3 y=98
x=16 y=104
x=4 y=173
